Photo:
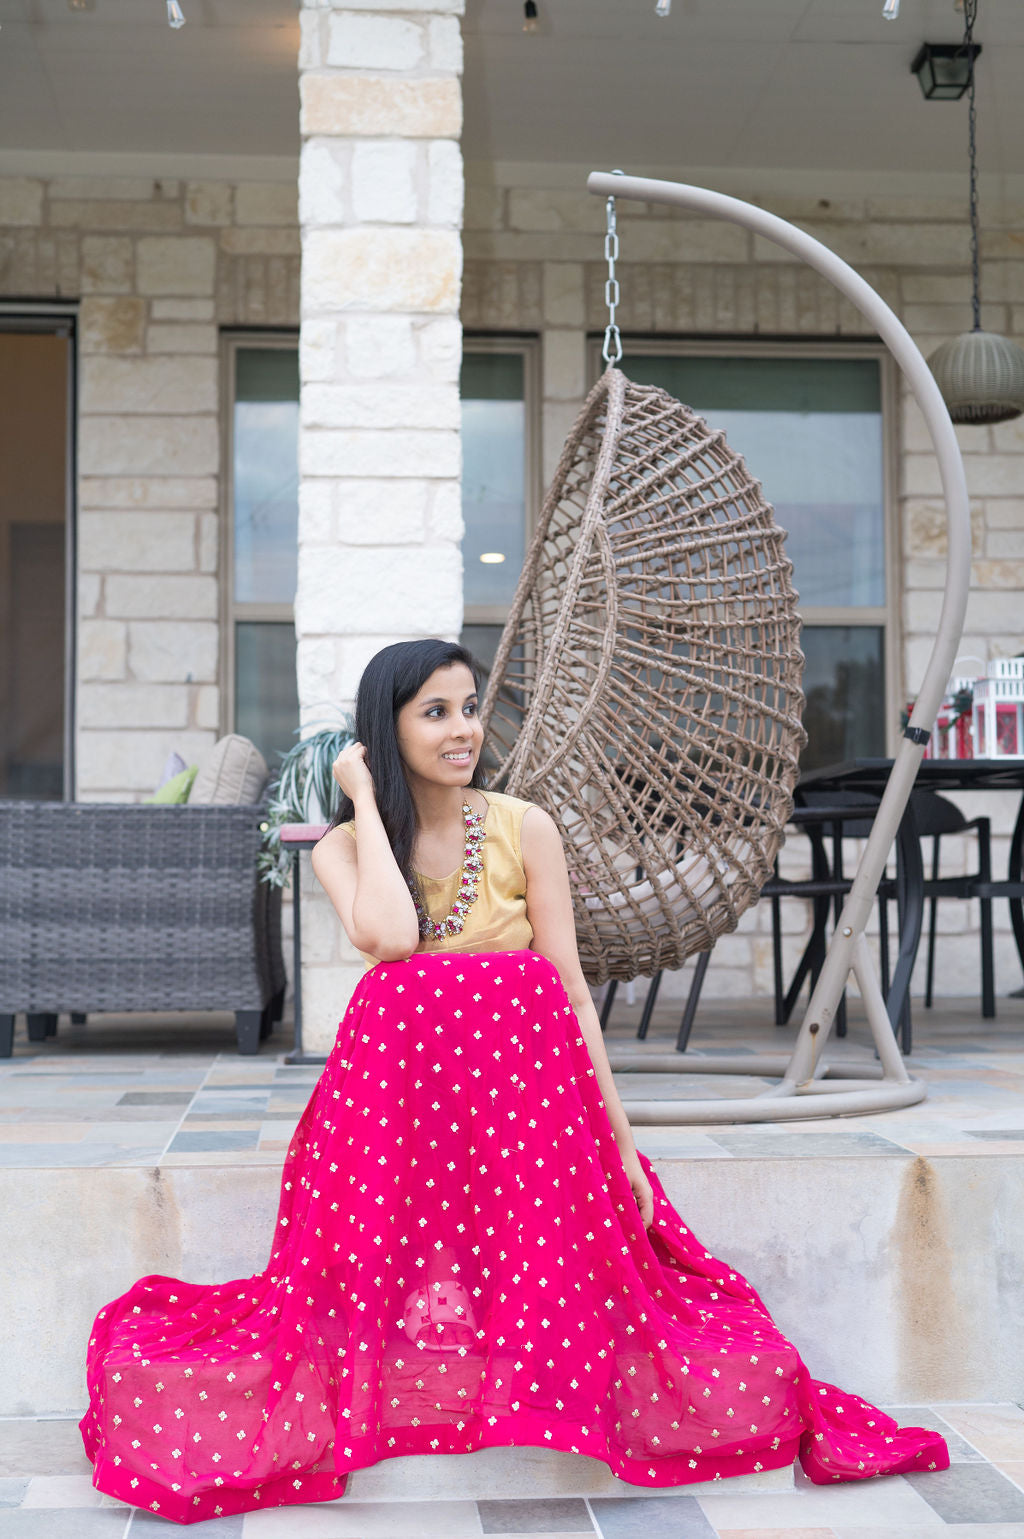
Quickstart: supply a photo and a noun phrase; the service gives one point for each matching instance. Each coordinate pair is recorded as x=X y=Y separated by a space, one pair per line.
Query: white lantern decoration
x=998 y=711
x=952 y=734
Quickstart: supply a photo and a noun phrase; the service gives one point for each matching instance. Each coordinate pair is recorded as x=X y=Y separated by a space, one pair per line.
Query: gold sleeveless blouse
x=497 y=920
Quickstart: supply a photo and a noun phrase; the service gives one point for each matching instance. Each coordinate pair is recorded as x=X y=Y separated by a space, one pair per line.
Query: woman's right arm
x=361 y=876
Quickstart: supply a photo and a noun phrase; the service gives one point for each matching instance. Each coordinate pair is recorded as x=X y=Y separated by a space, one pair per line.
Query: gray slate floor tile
x=364 y=1520
x=960 y=1451
x=30 y=1448
x=63 y=1523
x=146 y=1526
x=155 y=1098
x=971 y=1493
x=243 y=1114
x=238 y=1104
x=553 y=1515
x=211 y=1141
x=932 y=1531
x=650 y=1517
x=83 y=1155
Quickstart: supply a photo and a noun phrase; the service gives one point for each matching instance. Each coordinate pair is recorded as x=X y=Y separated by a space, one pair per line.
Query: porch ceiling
x=736 y=83
x=117 y=79
x=796 y=84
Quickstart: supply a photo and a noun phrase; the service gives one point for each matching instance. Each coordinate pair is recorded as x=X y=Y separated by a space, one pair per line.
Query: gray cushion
x=234 y=773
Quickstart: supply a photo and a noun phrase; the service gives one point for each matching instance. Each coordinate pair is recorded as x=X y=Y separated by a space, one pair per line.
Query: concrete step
x=896 y=1276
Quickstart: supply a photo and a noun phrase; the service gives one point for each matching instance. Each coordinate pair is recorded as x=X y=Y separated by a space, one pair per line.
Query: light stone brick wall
x=380 y=522
x=160 y=265
x=157 y=267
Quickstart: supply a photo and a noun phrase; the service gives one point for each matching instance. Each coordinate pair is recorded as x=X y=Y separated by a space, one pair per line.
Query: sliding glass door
x=36 y=621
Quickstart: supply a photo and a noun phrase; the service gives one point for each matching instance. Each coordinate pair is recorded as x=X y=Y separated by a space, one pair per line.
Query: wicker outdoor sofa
x=116 y=907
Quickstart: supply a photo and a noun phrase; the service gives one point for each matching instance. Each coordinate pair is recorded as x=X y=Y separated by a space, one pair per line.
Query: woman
x=469 y=1250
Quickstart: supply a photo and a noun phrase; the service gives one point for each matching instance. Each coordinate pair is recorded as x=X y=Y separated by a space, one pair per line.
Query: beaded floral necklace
x=472 y=865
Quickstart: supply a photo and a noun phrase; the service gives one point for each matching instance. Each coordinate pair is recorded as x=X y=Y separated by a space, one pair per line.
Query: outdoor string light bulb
x=891 y=10
x=175 y=14
x=530 y=16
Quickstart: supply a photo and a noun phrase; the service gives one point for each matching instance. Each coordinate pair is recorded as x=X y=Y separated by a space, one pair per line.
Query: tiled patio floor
x=172 y=1090
x=142 y=1090
x=45 y=1493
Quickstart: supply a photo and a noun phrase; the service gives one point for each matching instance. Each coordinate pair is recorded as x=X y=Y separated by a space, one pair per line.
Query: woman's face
x=439 y=731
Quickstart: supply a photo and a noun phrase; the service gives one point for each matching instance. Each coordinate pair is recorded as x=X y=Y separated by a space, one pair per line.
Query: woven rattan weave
x=646 y=690
x=108 y=907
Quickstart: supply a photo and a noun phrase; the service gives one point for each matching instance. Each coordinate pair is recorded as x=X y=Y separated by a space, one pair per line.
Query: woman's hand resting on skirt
x=640 y=1185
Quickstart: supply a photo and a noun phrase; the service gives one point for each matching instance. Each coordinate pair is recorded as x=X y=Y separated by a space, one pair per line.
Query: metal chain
x=611 y=352
x=970 y=16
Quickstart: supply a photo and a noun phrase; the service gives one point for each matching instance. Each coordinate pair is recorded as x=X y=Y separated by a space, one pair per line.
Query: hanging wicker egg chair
x=646 y=689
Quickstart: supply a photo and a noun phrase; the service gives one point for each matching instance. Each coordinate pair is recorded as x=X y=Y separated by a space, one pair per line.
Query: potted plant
x=302 y=791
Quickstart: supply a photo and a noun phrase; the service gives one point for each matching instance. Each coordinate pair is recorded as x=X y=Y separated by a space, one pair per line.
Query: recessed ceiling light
x=492 y=557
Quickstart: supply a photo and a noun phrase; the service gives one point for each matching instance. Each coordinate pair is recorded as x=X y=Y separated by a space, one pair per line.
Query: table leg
x=1014 y=873
x=648 y=1010
x=837 y=905
x=609 y=1000
x=296 y=1055
x=910 y=908
x=813 y=955
x=692 y=1000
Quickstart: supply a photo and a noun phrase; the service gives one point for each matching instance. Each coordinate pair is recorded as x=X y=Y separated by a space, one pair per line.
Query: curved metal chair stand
x=808 y=1085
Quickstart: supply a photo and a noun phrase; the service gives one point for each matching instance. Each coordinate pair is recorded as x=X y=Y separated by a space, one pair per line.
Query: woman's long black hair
x=391 y=679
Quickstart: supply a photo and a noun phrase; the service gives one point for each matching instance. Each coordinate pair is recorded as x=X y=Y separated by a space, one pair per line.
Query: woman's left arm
x=549 y=909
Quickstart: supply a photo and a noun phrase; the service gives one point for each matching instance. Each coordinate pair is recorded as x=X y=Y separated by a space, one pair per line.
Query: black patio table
x=935 y=775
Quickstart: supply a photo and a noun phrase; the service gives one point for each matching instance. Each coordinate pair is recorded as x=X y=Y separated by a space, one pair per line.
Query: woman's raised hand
x=352 y=772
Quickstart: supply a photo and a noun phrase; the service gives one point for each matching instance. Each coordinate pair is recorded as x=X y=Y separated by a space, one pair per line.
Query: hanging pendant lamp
x=980 y=374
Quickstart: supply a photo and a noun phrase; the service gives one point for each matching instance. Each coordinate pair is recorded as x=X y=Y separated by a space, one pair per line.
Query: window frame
x=526 y=345
x=232 y=341
x=887 y=615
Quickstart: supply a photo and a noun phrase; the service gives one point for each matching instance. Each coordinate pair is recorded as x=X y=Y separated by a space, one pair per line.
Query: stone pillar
x=380 y=209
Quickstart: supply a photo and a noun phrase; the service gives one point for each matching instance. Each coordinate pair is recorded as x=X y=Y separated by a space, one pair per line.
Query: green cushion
x=176 y=789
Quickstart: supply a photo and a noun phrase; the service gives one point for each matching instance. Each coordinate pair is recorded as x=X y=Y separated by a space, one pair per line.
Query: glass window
x=493 y=475
x=266 y=474
x=264 y=541
x=482 y=641
x=498 y=480
x=811 y=430
x=266 y=702
x=843 y=673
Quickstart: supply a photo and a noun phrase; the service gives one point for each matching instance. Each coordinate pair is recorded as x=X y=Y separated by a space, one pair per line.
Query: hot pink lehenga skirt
x=459 y=1263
